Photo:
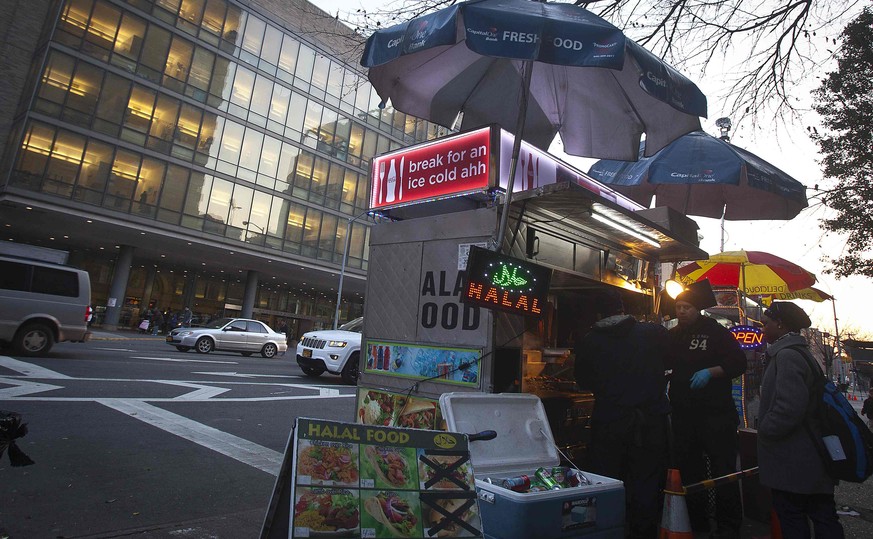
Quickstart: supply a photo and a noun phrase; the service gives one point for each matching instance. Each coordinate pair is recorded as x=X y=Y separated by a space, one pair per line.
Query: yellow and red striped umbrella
x=756 y=273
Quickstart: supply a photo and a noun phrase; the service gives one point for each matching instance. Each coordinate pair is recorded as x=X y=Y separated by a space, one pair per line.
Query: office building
x=202 y=153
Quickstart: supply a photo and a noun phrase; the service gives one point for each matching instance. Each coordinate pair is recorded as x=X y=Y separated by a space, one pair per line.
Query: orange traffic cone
x=775 y=527
x=675 y=523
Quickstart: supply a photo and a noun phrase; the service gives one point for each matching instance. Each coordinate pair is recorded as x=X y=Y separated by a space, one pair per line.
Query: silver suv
x=335 y=351
x=42 y=303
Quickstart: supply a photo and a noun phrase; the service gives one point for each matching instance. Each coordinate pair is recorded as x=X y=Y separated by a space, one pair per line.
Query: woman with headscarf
x=788 y=461
x=705 y=358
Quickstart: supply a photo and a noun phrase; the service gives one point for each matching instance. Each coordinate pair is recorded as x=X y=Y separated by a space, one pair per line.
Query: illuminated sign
x=447 y=167
x=471 y=162
x=537 y=168
x=748 y=337
x=503 y=283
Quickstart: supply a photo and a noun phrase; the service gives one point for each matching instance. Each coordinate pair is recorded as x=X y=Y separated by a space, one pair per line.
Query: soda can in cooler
x=518 y=484
x=546 y=478
x=537 y=488
x=560 y=474
x=575 y=478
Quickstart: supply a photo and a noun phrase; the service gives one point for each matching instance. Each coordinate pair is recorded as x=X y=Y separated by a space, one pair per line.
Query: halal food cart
x=448 y=316
x=438 y=319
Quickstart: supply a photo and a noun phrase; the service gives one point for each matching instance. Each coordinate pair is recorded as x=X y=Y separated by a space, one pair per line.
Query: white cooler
x=524 y=443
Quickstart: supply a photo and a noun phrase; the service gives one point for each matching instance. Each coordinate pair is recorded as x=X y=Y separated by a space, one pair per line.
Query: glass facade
x=205 y=115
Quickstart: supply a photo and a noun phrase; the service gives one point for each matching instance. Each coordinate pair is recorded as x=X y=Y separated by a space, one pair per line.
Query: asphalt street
x=132 y=439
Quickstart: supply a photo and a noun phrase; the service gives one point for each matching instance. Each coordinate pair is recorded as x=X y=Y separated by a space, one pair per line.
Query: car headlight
x=184 y=333
x=337 y=344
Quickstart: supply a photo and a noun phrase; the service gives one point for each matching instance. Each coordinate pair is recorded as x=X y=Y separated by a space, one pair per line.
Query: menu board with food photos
x=362 y=481
x=386 y=409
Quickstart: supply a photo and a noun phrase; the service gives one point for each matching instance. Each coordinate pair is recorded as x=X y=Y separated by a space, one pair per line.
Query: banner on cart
x=383 y=408
x=351 y=480
x=449 y=365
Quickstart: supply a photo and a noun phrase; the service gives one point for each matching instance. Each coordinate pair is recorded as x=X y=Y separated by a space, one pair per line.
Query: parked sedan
x=231 y=335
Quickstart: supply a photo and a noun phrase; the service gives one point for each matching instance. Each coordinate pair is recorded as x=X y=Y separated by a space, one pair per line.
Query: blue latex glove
x=700 y=378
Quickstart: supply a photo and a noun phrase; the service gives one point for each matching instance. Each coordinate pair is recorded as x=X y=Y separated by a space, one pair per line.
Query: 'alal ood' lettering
x=523 y=302
x=333 y=432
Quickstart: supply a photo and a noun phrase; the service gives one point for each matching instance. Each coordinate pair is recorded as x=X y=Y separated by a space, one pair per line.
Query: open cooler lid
x=524 y=439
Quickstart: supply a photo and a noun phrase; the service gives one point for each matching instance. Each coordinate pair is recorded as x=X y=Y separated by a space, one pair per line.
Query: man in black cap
x=621 y=361
x=705 y=357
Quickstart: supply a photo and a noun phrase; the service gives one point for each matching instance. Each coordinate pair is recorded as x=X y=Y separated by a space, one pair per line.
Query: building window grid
x=317 y=59
x=260 y=121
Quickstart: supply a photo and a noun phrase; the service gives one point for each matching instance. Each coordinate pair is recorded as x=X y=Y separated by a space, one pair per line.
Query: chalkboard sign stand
x=278 y=517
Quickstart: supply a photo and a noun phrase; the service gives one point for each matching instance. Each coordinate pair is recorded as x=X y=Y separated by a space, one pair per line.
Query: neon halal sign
x=500 y=282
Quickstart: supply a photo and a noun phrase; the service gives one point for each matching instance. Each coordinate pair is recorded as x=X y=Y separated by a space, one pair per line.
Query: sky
x=800 y=240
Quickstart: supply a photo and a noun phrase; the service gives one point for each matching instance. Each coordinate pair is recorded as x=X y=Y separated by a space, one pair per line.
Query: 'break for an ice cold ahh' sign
x=448 y=167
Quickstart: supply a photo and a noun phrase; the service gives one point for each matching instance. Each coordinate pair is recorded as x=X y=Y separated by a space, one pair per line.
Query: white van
x=42 y=303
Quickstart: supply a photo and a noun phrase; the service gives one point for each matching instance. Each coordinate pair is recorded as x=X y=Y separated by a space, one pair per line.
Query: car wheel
x=246 y=354
x=183 y=348
x=33 y=340
x=204 y=345
x=269 y=350
x=312 y=371
x=350 y=371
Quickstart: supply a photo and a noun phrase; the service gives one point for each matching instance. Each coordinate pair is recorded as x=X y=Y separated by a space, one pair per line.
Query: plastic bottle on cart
x=379 y=359
x=387 y=363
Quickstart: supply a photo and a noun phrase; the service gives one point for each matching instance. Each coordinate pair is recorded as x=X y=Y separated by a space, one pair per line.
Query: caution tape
x=707 y=484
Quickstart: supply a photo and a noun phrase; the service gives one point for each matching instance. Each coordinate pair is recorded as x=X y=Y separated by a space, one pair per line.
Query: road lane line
x=22 y=387
x=201 y=392
x=237 y=448
x=31 y=370
x=186 y=360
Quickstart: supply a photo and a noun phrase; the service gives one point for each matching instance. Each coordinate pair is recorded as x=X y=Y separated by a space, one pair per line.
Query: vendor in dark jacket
x=705 y=357
x=622 y=362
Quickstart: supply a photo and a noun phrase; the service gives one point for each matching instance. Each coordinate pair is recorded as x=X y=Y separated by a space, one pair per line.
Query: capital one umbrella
x=536 y=69
x=699 y=174
x=755 y=273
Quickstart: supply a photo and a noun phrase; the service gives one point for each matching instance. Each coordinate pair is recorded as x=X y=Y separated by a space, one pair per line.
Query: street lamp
x=339 y=289
x=259 y=227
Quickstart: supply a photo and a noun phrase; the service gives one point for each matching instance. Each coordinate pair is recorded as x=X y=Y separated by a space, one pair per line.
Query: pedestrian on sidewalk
x=705 y=358
x=621 y=361
x=788 y=461
x=157 y=321
x=867 y=410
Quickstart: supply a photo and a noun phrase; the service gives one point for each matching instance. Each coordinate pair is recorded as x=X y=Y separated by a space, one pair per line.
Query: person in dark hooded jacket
x=621 y=361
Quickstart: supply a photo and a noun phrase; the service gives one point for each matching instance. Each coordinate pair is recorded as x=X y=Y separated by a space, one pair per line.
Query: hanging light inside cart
x=496 y=281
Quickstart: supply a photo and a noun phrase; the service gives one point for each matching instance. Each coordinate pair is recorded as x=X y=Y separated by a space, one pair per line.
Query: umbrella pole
x=497 y=241
x=836 y=331
x=743 y=296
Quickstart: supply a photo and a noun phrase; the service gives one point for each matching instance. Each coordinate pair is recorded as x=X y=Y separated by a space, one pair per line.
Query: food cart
x=433 y=324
